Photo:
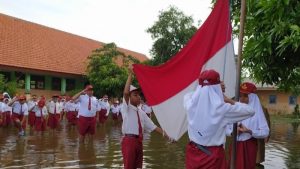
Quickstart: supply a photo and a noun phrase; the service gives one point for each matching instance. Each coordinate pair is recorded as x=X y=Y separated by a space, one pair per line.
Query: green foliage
x=170 y=33
x=9 y=87
x=103 y=72
x=272 y=39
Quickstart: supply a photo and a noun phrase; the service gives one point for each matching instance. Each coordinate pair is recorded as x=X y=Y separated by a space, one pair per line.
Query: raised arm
x=75 y=97
x=12 y=101
x=127 y=85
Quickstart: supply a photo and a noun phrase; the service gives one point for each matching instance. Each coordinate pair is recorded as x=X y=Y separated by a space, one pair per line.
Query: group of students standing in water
x=210 y=116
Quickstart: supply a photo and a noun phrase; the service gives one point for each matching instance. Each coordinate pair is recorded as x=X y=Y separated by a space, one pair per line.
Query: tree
x=107 y=71
x=272 y=39
x=9 y=87
x=170 y=33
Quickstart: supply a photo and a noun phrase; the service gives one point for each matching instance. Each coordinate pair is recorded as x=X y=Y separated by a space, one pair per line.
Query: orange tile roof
x=28 y=45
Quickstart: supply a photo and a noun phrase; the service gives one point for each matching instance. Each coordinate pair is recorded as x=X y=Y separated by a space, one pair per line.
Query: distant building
x=277 y=102
x=44 y=60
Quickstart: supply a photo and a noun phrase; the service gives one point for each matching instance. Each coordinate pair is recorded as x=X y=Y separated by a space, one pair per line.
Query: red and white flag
x=164 y=86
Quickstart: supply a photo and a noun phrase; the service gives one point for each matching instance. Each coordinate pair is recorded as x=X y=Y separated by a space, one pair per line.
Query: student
x=208 y=113
x=7 y=111
x=135 y=122
x=115 y=110
x=54 y=108
x=87 y=112
x=41 y=114
x=250 y=129
x=72 y=111
x=103 y=107
x=31 y=104
x=20 y=112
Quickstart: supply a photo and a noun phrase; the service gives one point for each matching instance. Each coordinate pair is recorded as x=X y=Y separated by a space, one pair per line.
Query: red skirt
x=196 y=159
x=72 y=117
x=53 y=120
x=17 y=118
x=31 y=118
x=132 y=151
x=86 y=125
x=246 y=154
x=40 y=124
x=102 y=116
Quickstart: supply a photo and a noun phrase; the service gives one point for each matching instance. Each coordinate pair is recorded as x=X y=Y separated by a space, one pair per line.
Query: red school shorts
x=86 y=125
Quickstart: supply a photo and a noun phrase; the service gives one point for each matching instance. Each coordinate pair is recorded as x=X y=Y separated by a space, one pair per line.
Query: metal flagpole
x=238 y=80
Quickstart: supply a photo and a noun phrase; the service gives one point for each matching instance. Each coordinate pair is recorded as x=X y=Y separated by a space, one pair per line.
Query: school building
x=276 y=101
x=44 y=60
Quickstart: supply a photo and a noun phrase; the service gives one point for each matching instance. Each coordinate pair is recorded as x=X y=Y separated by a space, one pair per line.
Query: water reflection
x=60 y=149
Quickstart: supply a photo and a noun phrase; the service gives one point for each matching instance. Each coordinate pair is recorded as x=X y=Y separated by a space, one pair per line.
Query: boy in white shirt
x=31 y=104
x=20 y=112
x=54 y=108
x=135 y=121
x=87 y=112
x=115 y=111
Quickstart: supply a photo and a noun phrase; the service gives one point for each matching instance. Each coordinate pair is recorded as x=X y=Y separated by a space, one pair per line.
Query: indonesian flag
x=164 y=86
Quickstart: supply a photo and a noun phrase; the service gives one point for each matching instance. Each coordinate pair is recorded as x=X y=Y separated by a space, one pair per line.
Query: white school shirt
x=69 y=106
x=6 y=108
x=104 y=105
x=83 y=100
x=115 y=109
x=31 y=104
x=257 y=123
x=16 y=107
x=37 y=111
x=146 y=108
x=51 y=107
x=130 y=120
x=208 y=115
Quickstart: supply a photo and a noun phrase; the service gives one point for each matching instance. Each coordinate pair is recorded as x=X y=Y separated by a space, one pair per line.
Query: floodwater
x=60 y=149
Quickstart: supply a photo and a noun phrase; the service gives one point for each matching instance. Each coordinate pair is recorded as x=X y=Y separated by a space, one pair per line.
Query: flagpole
x=238 y=81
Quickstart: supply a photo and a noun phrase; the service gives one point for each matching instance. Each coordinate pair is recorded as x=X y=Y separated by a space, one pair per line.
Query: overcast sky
x=121 y=21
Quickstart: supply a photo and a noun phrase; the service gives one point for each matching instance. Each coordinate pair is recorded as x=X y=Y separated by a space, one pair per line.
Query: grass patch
x=285 y=118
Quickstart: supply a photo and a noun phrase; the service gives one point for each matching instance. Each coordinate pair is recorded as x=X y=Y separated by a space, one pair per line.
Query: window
x=70 y=84
x=272 y=99
x=56 y=83
x=20 y=78
x=293 y=100
x=37 y=82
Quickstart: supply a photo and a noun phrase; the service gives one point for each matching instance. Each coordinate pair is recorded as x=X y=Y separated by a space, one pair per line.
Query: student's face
x=90 y=92
x=135 y=98
x=55 y=99
x=22 y=101
x=244 y=98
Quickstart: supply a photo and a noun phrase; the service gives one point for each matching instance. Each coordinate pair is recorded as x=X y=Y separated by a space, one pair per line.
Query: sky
x=121 y=21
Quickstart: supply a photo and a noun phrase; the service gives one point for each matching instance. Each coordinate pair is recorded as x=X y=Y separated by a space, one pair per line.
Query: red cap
x=22 y=97
x=41 y=103
x=209 y=77
x=248 y=88
x=88 y=87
